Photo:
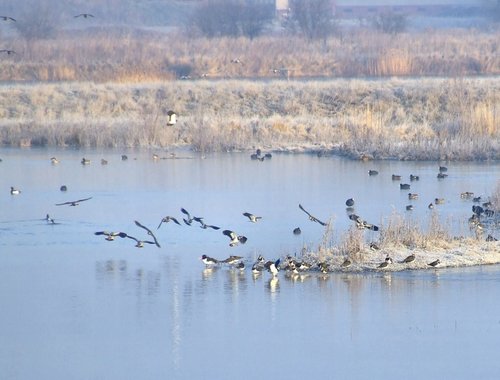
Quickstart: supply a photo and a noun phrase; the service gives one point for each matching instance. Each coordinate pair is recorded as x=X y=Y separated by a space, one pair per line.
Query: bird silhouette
x=168 y=219
x=73 y=203
x=84 y=15
x=9 y=52
x=110 y=236
x=311 y=217
x=150 y=233
x=235 y=238
x=7 y=18
x=253 y=218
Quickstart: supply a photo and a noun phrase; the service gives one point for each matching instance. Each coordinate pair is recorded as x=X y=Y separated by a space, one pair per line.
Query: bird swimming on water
x=14 y=191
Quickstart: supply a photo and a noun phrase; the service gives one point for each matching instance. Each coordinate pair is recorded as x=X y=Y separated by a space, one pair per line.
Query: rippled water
x=76 y=306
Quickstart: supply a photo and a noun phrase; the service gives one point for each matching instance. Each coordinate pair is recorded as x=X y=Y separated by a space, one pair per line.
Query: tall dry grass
x=123 y=55
x=453 y=119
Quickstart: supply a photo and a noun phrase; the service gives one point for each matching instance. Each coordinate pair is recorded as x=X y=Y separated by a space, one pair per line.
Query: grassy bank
x=124 y=55
x=426 y=118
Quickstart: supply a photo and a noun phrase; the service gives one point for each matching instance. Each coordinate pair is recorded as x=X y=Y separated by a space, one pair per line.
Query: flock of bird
x=480 y=210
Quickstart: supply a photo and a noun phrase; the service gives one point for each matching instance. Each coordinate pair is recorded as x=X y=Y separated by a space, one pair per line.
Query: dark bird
x=190 y=218
x=414 y=177
x=442 y=175
x=73 y=203
x=50 y=220
x=385 y=263
x=408 y=259
x=9 y=52
x=404 y=186
x=235 y=238
x=124 y=157
x=349 y=202
x=346 y=263
x=312 y=218
x=396 y=177
x=63 y=188
x=14 y=191
x=7 y=18
x=435 y=263
x=110 y=236
x=372 y=172
x=168 y=219
x=273 y=267
x=491 y=238
x=297 y=231
x=84 y=15
x=150 y=233
x=140 y=243
x=258 y=266
x=85 y=161
x=323 y=267
x=374 y=246
x=409 y=207
x=240 y=265
x=443 y=169
x=209 y=261
x=205 y=226
x=253 y=218
x=231 y=260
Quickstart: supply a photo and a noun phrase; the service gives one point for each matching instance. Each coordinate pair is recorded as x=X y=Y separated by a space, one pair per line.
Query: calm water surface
x=75 y=306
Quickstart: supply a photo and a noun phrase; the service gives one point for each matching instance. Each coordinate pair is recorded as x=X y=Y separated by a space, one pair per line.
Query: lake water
x=75 y=306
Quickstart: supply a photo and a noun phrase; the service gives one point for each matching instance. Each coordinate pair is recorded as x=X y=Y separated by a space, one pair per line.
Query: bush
x=391 y=23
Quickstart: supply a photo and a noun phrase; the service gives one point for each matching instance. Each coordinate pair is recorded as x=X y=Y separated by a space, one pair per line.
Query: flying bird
x=9 y=52
x=312 y=218
x=235 y=238
x=73 y=203
x=7 y=18
x=84 y=15
x=110 y=236
x=168 y=219
x=253 y=218
x=140 y=243
x=189 y=219
x=150 y=233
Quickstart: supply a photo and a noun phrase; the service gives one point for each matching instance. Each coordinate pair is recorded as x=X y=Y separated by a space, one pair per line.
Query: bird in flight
x=150 y=233
x=7 y=18
x=189 y=219
x=73 y=203
x=312 y=218
x=140 y=243
x=253 y=218
x=235 y=238
x=9 y=52
x=168 y=219
x=84 y=15
x=110 y=236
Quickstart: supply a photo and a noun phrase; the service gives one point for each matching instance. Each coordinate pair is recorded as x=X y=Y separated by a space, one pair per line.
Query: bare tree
x=39 y=20
x=314 y=18
x=390 y=22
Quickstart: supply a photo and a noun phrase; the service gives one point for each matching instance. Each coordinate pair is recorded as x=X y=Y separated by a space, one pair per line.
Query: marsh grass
x=432 y=118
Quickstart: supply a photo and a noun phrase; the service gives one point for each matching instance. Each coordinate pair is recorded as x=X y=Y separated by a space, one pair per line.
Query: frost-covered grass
x=424 y=118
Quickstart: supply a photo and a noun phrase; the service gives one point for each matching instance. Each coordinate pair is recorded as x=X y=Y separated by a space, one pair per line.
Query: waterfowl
x=323 y=267
x=491 y=238
x=140 y=243
x=372 y=172
x=442 y=175
x=312 y=218
x=435 y=263
x=478 y=210
x=346 y=263
x=7 y=18
x=374 y=246
x=124 y=157
x=297 y=231
x=231 y=260
x=205 y=226
x=414 y=177
x=253 y=218
x=349 y=202
x=431 y=206
x=240 y=265
x=362 y=224
x=168 y=219
x=63 y=188
x=273 y=267
x=14 y=191
x=258 y=266
x=73 y=203
x=412 y=196
x=209 y=261
x=439 y=201
x=385 y=263
x=190 y=219
x=150 y=233
x=110 y=236
x=235 y=238
x=84 y=15
x=466 y=195
x=172 y=118
x=104 y=162
x=54 y=160
x=476 y=199
x=49 y=219
x=404 y=186
x=408 y=259
x=9 y=52
x=443 y=169
x=396 y=177
x=409 y=207
x=268 y=156
x=85 y=161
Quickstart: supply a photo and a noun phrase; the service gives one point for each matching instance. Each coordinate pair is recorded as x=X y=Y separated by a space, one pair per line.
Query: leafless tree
x=314 y=18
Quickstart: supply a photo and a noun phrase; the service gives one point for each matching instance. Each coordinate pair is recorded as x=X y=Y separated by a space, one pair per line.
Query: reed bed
x=124 y=55
x=426 y=118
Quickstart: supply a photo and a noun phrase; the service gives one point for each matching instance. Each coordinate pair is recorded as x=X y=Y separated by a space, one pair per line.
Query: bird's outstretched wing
x=311 y=217
x=150 y=233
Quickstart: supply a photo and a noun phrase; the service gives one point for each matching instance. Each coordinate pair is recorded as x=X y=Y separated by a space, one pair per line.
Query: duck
x=412 y=196
x=409 y=207
x=396 y=177
x=54 y=160
x=240 y=265
x=439 y=201
x=209 y=261
x=85 y=161
x=441 y=175
x=253 y=218
x=323 y=267
x=372 y=172
x=104 y=162
x=346 y=263
x=297 y=231
x=385 y=263
x=404 y=186
x=466 y=195
x=49 y=219
x=443 y=169
x=311 y=217
x=408 y=259
x=235 y=238
x=14 y=191
x=63 y=188
x=349 y=202
x=430 y=206
x=435 y=263
x=124 y=157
